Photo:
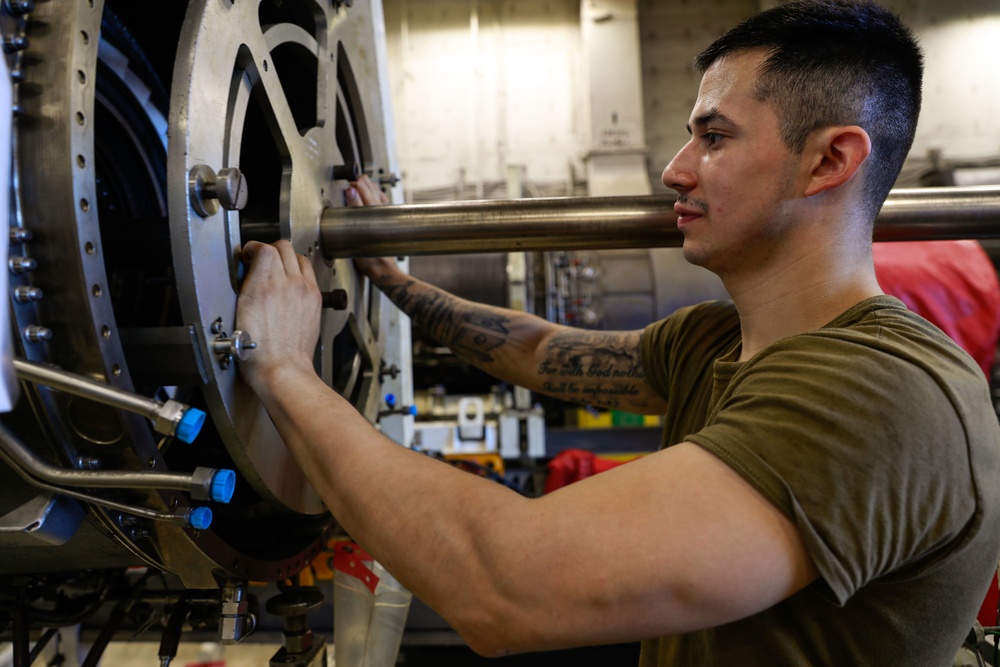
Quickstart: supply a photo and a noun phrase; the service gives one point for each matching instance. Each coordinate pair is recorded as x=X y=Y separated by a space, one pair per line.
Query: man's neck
x=801 y=295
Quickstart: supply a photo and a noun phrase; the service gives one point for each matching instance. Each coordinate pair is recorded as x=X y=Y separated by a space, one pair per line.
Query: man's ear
x=838 y=153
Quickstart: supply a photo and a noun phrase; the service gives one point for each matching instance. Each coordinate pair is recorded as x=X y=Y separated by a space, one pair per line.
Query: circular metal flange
x=267 y=88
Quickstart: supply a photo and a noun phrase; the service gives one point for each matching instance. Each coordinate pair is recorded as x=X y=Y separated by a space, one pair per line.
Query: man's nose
x=677 y=175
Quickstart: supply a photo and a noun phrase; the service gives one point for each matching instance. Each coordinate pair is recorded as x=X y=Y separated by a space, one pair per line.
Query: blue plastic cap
x=413 y=410
x=190 y=425
x=390 y=400
x=223 y=485
x=200 y=518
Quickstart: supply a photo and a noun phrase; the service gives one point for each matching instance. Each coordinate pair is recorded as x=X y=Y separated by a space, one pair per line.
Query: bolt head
x=231 y=189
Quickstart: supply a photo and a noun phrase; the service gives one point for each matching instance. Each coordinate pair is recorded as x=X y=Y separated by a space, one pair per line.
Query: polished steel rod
x=579 y=223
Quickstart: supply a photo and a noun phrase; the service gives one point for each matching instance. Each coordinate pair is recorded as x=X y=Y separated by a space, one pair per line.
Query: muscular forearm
x=450 y=518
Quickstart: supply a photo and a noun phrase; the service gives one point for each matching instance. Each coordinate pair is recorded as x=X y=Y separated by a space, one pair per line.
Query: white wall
x=472 y=96
x=672 y=33
x=480 y=84
x=961 y=40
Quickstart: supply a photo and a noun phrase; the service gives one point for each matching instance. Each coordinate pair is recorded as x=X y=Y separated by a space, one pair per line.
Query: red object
x=954 y=285
x=572 y=465
x=951 y=283
x=350 y=559
x=987 y=616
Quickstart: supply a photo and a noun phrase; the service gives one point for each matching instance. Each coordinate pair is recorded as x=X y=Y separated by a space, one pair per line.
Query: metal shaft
x=578 y=223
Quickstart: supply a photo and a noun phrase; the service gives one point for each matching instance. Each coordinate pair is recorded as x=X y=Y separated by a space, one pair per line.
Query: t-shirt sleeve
x=863 y=456
x=691 y=337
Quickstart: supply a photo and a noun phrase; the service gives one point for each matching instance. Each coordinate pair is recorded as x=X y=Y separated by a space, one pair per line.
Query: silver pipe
x=80 y=386
x=924 y=214
x=198 y=483
x=570 y=223
x=578 y=223
x=179 y=517
x=170 y=418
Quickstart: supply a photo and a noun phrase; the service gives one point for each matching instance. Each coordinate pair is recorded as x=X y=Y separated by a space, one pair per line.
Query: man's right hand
x=280 y=305
x=364 y=192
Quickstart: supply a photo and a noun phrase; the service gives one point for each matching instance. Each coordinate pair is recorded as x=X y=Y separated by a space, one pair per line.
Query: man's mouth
x=686 y=212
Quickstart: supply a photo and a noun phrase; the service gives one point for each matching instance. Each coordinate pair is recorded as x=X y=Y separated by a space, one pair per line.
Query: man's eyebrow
x=711 y=116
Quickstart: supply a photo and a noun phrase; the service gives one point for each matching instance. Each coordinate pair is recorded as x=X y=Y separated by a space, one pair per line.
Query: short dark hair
x=836 y=62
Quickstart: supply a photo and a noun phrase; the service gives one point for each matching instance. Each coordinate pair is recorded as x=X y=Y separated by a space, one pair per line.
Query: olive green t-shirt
x=876 y=436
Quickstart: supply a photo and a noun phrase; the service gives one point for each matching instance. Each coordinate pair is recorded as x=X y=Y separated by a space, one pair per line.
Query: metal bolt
x=19 y=7
x=350 y=171
x=19 y=264
x=15 y=43
x=240 y=345
x=217 y=326
x=337 y=299
x=225 y=361
x=139 y=533
x=37 y=334
x=209 y=190
x=25 y=294
x=88 y=463
x=17 y=75
x=389 y=180
x=231 y=189
x=126 y=520
x=391 y=371
x=20 y=235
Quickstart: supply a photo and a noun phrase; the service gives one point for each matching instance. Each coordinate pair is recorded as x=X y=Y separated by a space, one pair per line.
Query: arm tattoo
x=470 y=332
x=592 y=367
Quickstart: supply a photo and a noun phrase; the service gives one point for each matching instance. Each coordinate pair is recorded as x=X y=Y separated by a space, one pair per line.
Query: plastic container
x=388 y=618
x=369 y=612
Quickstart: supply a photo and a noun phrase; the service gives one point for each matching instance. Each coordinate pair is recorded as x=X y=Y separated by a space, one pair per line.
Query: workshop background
x=559 y=88
x=505 y=99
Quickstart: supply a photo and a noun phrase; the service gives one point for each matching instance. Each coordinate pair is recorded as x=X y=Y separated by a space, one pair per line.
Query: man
x=828 y=493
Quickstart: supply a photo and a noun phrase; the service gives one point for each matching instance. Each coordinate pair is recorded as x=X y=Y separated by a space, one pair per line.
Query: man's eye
x=712 y=138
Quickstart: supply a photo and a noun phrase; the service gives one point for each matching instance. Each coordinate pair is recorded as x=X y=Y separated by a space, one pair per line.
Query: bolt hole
x=116 y=370
x=151 y=462
x=265 y=65
x=89 y=248
x=96 y=290
x=80 y=118
x=81 y=76
x=106 y=331
x=84 y=205
x=85 y=37
x=81 y=161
